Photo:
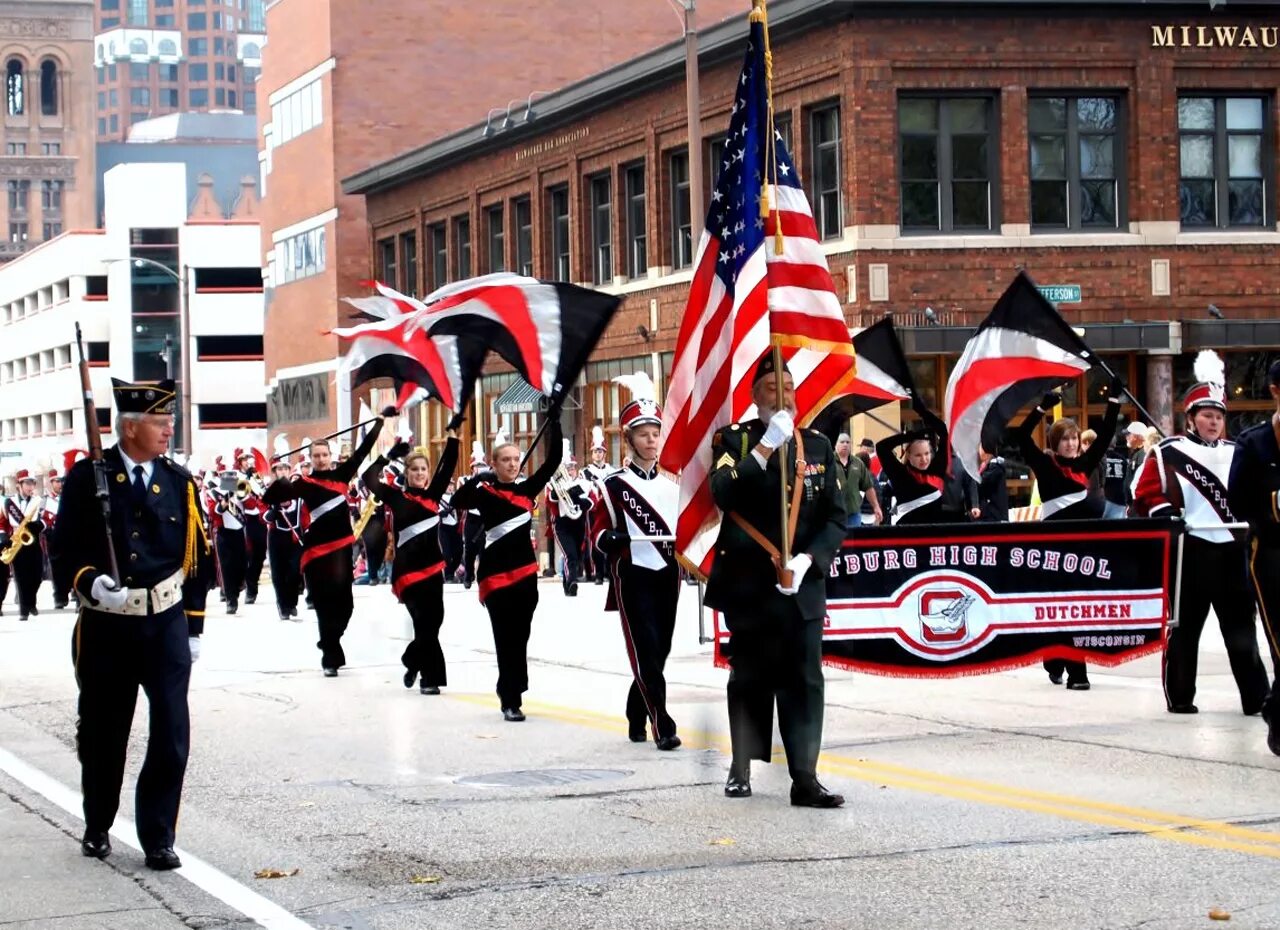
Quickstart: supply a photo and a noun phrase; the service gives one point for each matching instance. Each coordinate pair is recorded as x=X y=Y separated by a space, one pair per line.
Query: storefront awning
x=519 y=397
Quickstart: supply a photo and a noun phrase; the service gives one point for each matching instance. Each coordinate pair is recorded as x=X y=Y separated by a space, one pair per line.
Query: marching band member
x=1069 y=485
x=28 y=562
x=596 y=471
x=1253 y=492
x=569 y=508
x=775 y=632
x=327 y=544
x=285 y=525
x=450 y=534
x=472 y=524
x=919 y=477
x=227 y=520
x=253 y=513
x=508 y=572
x=417 y=574
x=52 y=497
x=373 y=537
x=1187 y=476
x=641 y=501
x=6 y=533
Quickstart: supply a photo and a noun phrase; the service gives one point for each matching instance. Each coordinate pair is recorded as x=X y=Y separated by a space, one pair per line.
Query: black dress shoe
x=284 y=614
x=310 y=606
x=512 y=714
x=410 y=676
x=35 y=612
x=637 y=734
x=1077 y=685
x=573 y=589
x=163 y=859
x=599 y=580
x=668 y=743
x=251 y=598
x=1273 y=736
x=232 y=607
x=95 y=844
x=1183 y=709
x=1055 y=678
x=59 y=605
x=738 y=784
x=22 y=618
x=428 y=689
x=330 y=673
x=812 y=794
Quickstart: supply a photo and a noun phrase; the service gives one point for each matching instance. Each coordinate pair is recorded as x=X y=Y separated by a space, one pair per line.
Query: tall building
x=354 y=84
x=154 y=57
x=46 y=166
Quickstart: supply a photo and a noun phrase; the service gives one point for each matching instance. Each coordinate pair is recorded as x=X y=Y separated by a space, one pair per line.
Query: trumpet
x=246 y=486
x=22 y=536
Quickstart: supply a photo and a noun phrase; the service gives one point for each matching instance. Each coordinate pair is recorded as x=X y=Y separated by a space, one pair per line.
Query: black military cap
x=144 y=398
x=764 y=367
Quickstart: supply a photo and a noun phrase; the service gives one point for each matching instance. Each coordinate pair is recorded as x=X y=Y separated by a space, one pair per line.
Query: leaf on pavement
x=486 y=736
x=424 y=879
x=1219 y=914
x=275 y=873
x=723 y=841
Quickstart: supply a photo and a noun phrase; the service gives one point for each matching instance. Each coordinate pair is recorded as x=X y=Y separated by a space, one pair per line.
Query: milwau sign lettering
x=1215 y=36
x=300 y=400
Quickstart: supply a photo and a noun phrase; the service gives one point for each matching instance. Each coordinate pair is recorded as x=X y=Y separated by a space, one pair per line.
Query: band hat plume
x=1210 y=388
x=499 y=439
x=477 y=452
x=643 y=408
x=597 y=439
x=155 y=398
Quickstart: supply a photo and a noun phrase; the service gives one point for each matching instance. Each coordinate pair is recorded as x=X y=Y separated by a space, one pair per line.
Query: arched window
x=49 y=87
x=168 y=47
x=102 y=52
x=252 y=50
x=138 y=47
x=15 y=86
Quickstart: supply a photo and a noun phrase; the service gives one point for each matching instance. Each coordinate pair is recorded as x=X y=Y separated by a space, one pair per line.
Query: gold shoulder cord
x=195 y=534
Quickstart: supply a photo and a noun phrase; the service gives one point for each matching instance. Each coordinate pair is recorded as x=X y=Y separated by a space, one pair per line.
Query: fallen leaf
x=275 y=873
x=485 y=736
x=723 y=841
x=1219 y=914
x=307 y=804
x=424 y=879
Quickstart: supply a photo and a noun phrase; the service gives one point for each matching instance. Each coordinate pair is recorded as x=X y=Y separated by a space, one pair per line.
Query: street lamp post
x=184 y=341
x=686 y=9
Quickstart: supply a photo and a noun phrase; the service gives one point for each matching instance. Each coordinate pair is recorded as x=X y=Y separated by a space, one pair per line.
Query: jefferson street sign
x=1061 y=293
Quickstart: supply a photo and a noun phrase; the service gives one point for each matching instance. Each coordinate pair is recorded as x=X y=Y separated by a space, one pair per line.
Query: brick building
x=154 y=57
x=47 y=164
x=356 y=84
x=1124 y=152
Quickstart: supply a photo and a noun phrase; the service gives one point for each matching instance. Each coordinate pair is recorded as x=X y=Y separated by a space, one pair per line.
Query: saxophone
x=366 y=513
x=22 y=536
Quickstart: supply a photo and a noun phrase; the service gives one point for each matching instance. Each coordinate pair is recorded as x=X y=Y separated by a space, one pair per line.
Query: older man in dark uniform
x=774 y=613
x=141 y=628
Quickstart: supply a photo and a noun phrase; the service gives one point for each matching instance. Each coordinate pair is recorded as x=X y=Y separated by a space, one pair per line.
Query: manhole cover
x=541 y=778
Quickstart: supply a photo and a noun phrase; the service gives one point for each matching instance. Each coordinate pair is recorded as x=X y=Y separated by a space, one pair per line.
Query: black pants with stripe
x=286 y=568
x=329 y=582
x=1219 y=579
x=28 y=575
x=570 y=534
x=114 y=656
x=647 y=608
x=1264 y=571
x=4 y=578
x=425 y=602
x=232 y=562
x=255 y=555
x=511 y=615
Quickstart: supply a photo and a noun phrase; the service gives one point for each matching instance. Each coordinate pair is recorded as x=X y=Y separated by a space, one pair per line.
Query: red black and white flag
x=1022 y=349
x=884 y=377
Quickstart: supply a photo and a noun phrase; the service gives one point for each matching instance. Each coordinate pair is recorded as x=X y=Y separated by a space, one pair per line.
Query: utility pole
x=693 y=104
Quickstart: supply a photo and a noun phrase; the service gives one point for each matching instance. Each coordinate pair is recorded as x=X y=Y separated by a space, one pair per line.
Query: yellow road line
x=1162 y=825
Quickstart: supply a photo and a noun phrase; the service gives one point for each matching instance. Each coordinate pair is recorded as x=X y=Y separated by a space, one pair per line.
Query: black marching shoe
x=60 y=605
x=637 y=734
x=163 y=859
x=428 y=689
x=283 y=612
x=599 y=580
x=668 y=743
x=232 y=607
x=573 y=589
x=1273 y=735
x=310 y=606
x=251 y=597
x=512 y=714
x=22 y=618
x=35 y=611
x=738 y=784
x=812 y=794
x=1183 y=709
x=330 y=673
x=410 y=676
x=1077 y=685
x=95 y=844
x=1055 y=678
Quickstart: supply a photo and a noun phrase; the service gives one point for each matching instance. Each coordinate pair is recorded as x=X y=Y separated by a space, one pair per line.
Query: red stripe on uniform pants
x=505 y=579
x=310 y=555
x=398 y=586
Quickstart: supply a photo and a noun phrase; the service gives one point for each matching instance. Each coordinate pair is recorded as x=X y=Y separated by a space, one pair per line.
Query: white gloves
x=107 y=593
x=194 y=643
x=781 y=427
x=799 y=567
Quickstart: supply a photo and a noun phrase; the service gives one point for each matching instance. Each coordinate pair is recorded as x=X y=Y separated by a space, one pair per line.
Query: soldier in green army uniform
x=775 y=616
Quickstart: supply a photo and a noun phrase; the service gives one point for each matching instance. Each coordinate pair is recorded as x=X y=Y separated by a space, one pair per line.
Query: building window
x=18 y=232
x=387 y=262
x=1224 y=165
x=602 y=229
x=166 y=48
x=561 y=250
x=409 y=260
x=300 y=256
x=137 y=12
x=51 y=230
x=197 y=72
x=49 y=87
x=138 y=47
x=219 y=71
x=15 y=88
x=716 y=162
x=198 y=97
x=681 y=212
x=220 y=96
x=1074 y=176
x=494 y=220
x=462 y=247
x=297 y=113
x=947 y=162
x=197 y=22
x=169 y=97
x=824 y=171
x=51 y=148
x=19 y=196
x=782 y=127
x=140 y=96
x=197 y=48
x=51 y=196
x=165 y=19
x=140 y=71
x=439 y=256
x=637 y=242
x=523 y=212
x=15 y=148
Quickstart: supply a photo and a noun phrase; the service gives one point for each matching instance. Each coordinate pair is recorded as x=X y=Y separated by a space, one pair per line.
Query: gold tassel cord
x=195 y=535
x=760 y=14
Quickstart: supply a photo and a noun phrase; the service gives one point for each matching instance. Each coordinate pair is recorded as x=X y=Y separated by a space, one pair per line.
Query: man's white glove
x=798 y=566
x=107 y=593
x=194 y=643
x=781 y=427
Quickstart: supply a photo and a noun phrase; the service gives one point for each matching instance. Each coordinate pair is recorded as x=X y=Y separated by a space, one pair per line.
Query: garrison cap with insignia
x=144 y=398
x=764 y=367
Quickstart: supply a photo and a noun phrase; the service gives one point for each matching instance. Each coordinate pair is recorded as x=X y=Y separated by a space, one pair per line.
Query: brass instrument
x=560 y=484
x=22 y=536
x=246 y=486
x=366 y=514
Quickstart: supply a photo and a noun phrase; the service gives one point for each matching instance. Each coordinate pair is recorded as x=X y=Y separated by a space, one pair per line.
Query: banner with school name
x=965 y=599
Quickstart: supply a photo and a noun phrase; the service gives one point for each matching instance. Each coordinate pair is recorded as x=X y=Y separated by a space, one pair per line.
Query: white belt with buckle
x=160 y=597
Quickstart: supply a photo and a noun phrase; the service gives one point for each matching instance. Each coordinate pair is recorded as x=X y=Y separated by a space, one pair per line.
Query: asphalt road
x=994 y=802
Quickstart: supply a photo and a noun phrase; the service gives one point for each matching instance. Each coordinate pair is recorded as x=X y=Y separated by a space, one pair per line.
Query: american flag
x=745 y=298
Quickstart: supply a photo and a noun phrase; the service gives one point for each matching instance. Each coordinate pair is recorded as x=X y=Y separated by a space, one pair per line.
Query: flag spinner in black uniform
x=417 y=574
x=634 y=502
x=143 y=631
x=326 y=555
x=28 y=560
x=472 y=524
x=775 y=633
x=285 y=526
